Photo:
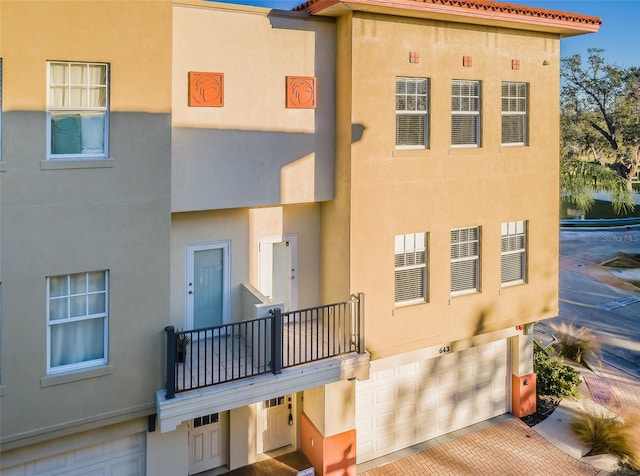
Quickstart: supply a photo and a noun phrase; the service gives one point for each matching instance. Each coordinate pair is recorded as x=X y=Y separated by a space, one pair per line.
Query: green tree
x=600 y=130
x=580 y=179
x=600 y=112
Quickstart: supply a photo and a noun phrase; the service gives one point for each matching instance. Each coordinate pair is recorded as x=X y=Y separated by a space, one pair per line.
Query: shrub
x=607 y=435
x=574 y=343
x=554 y=378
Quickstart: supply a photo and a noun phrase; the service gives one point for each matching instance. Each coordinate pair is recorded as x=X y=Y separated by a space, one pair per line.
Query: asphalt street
x=598 y=297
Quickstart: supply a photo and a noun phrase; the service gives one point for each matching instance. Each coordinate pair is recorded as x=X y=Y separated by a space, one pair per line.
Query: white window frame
x=513 y=243
x=514 y=106
x=466 y=103
x=80 y=109
x=465 y=252
x=411 y=105
x=69 y=320
x=411 y=255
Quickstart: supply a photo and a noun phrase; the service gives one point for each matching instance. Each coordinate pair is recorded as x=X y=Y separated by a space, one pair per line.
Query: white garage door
x=121 y=457
x=404 y=405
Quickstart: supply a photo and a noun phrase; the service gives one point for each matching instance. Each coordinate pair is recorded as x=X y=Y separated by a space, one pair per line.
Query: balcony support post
x=171 y=362
x=276 y=341
x=361 y=323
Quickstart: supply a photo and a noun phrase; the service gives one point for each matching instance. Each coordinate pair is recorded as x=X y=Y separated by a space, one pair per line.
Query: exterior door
x=277 y=273
x=207 y=285
x=207 y=442
x=279 y=423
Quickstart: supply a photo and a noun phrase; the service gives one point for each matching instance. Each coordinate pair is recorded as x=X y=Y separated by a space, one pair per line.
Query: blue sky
x=619 y=34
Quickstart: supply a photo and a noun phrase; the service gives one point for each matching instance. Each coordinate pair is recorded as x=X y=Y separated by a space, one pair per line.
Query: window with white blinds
x=465 y=260
x=513 y=252
x=514 y=113
x=465 y=113
x=411 y=268
x=412 y=103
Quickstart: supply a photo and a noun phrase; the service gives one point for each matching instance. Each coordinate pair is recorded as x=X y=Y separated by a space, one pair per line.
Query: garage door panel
x=385 y=396
x=122 y=457
x=399 y=407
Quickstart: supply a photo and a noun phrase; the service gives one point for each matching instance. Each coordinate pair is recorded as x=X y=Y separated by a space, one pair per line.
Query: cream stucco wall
x=252 y=150
x=391 y=192
x=75 y=216
x=243 y=228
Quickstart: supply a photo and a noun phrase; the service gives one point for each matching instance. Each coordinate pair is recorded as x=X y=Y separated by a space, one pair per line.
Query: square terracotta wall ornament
x=301 y=92
x=206 y=89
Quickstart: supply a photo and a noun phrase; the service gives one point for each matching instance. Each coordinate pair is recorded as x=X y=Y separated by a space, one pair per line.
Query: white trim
x=190 y=249
x=265 y=266
x=87 y=364
x=98 y=109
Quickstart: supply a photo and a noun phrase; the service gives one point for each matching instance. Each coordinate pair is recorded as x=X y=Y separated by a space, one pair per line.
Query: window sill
x=512 y=284
x=57 y=164
x=59 y=379
x=413 y=152
x=402 y=305
x=465 y=293
x=465 y=150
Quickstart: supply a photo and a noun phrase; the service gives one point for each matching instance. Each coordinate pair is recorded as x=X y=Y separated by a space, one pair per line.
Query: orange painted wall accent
x=311 y=442
x=523 y=395
x=301 y=92
x=330 y=456
x=206 y=89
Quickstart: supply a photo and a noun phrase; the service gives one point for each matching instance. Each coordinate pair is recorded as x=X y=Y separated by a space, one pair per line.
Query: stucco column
x=523 y=379
x=168 y=453
x=242 y=436
x=327 y=428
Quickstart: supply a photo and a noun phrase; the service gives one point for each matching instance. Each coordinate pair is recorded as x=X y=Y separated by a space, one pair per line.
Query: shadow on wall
x=217 y=168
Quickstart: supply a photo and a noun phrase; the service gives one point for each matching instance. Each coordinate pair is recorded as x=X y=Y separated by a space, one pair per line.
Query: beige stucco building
x=331 y=205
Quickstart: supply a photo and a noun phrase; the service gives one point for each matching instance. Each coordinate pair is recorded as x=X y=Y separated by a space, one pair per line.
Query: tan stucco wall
x=331 y=408
x=243 y=228
x=434 y=190
x=134 y=36
x=253 y=150
x=68 y=220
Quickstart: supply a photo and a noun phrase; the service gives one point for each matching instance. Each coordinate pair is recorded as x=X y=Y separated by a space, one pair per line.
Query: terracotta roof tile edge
x=314 y=6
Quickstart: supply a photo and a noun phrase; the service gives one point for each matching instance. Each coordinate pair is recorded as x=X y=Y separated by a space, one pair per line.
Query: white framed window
x=410 y=268
x=77 y=321
x=465 y=260
x=412 y=106
x=513 y=250
x=465 y=113
x=77 y=110
x=514 y=113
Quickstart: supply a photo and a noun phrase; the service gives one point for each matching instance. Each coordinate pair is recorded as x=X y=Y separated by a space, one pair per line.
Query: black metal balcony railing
x=209 y=356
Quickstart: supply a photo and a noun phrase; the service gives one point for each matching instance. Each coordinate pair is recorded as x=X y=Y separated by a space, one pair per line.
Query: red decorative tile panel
x=467 y=61
x=301 y=92
x=414 y=57
x=206 y=89
x=515 y=64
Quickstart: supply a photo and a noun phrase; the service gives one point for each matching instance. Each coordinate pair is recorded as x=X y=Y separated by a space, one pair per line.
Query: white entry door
x=207 y=286
x=207 y=442
x=278 y=418
x=278 y=269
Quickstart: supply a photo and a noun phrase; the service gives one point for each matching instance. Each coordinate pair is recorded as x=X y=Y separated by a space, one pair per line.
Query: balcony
x=224 y=367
